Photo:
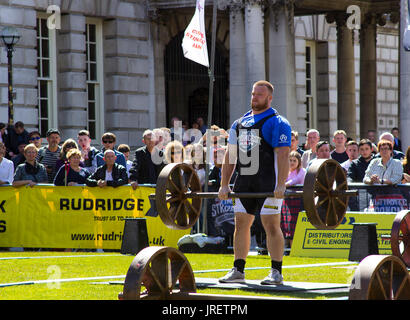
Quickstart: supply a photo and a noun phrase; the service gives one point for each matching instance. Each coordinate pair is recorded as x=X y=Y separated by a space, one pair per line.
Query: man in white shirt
x=6 y=167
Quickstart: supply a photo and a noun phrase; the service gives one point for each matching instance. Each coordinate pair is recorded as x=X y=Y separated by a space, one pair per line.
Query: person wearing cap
x=48 y=155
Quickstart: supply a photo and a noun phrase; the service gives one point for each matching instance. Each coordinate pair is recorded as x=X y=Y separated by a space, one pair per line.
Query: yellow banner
x=76 y=217
x=311 y=242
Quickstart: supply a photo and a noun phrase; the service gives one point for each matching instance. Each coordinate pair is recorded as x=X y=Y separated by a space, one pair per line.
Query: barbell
x=178 y=196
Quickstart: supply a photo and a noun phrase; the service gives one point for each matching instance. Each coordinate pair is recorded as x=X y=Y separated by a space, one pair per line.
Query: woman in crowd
x=67 y=146
x=406 y=167
x=289 y=217
x=198 y=158
x=296 y=171
x=384 y=170
x=30 y=172
x=174 y=152
x=71 y=174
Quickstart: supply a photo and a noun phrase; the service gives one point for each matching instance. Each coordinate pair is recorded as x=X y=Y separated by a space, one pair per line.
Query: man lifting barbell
x=261 y=137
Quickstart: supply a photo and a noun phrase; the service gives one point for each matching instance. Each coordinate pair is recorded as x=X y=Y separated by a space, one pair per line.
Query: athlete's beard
x=259 y=107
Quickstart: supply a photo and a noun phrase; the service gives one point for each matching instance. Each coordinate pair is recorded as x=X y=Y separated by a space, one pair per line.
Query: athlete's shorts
x=254 y=206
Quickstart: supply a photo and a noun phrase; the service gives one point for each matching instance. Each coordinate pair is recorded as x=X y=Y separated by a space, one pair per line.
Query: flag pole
x=210 y=107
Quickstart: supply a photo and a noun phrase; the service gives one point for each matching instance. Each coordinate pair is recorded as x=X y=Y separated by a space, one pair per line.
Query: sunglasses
x=35 y=138
x=108 y=141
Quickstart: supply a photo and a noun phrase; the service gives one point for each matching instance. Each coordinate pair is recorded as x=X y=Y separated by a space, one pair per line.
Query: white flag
x=194 y=41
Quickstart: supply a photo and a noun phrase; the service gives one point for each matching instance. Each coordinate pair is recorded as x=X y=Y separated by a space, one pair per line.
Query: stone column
x=255 y=44
x=346 y=104
x=128 y=62
x=368 y=75
x=239 y=100
x=72 y=95
x=404 y=80
x=281 y=60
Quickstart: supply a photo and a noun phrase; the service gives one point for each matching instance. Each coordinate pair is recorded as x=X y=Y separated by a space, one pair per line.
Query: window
x=46 y=83
x=310 y=56
x=93 y=41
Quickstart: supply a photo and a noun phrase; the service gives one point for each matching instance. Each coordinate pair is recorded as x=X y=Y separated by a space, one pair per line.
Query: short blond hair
x=339 y=132
x=264 y=83
x=73 y=152
x=30 y=146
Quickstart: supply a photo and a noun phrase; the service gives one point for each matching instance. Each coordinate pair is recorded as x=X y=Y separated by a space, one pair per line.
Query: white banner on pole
x=194 y=41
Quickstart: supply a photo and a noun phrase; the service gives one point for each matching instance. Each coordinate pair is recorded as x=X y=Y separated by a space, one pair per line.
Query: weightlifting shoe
x=274 y=277
x=233 y=276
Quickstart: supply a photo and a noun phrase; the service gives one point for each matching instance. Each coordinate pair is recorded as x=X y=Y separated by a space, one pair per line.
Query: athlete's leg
x=274 y=236
x=242 y=235
x=274 y=243
x=241 y=245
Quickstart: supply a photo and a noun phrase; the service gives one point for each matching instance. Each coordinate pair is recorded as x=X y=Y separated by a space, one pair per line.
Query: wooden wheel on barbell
x=163 y=271
x=178 y=195
x=380 y=277
x=400 y=236
x=324 y=208
x=174 y=208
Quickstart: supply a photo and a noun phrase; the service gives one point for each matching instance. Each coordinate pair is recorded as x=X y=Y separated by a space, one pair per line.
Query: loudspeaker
x=363 y=242
x=135 y=236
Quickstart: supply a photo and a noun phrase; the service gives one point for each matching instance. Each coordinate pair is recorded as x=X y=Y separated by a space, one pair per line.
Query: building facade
x=117 y=65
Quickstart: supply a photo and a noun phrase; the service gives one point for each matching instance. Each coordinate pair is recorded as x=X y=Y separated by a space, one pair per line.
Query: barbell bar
x=178 y=196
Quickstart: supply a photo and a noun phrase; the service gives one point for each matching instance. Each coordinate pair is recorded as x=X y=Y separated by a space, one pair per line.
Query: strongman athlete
x=263 y=131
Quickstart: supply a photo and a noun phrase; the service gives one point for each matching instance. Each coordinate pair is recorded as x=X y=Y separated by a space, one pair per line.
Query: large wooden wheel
x=176 y=210
x=324 y=202
x=400 y=236
x=163 y=271
x=380 y=277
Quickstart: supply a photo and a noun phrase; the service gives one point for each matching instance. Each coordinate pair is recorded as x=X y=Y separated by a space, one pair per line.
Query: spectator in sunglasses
x=174 y=152
x=108 y=140
x=34 y=137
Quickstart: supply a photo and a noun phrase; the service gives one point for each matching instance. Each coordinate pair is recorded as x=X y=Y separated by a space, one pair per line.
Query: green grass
x=115 y=264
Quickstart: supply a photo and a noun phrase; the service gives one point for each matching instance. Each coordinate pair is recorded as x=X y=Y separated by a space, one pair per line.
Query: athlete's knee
x=271 y=224
x=243 y=222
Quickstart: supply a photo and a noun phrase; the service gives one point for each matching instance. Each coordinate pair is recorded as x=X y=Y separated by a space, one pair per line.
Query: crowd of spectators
x=370 y=160
x=26 y=160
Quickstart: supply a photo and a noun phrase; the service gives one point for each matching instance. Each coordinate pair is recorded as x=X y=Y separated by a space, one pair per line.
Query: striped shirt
x=393 y=170
x=49 y=159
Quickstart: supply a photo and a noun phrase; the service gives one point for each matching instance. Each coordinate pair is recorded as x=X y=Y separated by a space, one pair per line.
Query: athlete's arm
x=228 y=167
x=282 y=154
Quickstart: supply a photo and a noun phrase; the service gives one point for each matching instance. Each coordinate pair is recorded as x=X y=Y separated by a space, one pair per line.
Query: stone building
x=117 y=65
